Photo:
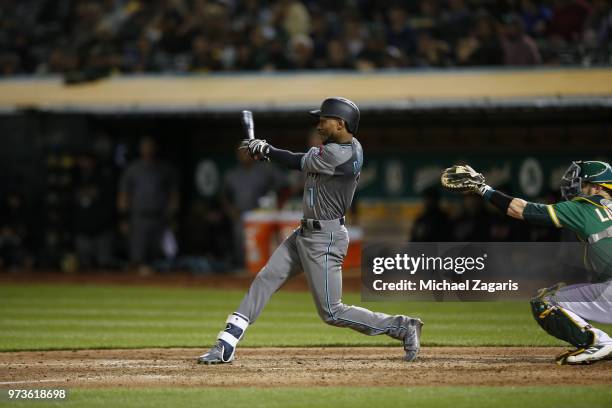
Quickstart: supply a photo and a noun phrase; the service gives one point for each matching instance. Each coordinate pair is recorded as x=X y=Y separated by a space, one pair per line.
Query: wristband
x=497 y=198
x=485 y=191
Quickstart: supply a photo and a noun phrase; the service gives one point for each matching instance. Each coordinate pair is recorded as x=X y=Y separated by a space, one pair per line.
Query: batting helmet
x=595 y=172
x=340 y=108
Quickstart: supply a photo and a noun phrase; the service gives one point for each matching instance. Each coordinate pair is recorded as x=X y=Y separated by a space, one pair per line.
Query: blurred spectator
x=432 y=52
x=354 y=34
x=535 y=17
x=481 y=46
x=15 y=233
x=504 y=230
x=251 y=55
x=598 y=34
x=208 y=230
x=149 y=192
x=337 y=56
x=394 y=58
x=320 y=34
x=434 y=224
x=568 y=18
x=399 y=32
x=60 y=60
x=10 y=64
x=501 y=8
x=93 y=215
x=474 y=224
x=174 y=33
x=456 y=21
x=429 y=17
x=277 y=58
x=519 y=49
x=296 y=18
x=90 y=39
x=202 y=55
x=301 y=53
x=373 y=54
x=243 y=188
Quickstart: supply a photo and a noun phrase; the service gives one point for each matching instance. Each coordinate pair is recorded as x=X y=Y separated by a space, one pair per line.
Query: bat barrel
x=249 y=125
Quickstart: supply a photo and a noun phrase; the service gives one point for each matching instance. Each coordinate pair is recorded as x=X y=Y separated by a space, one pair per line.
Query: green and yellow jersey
x=590 y=218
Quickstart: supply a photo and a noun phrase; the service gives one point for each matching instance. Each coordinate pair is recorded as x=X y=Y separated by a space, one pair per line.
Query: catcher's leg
x=566 y=321
x=592 y=302
x=283 y=264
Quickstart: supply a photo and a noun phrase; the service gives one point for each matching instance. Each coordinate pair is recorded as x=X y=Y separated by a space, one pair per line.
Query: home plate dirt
x=298 y=367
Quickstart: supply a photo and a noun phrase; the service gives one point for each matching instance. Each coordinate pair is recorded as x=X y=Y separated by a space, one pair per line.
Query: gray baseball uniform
x=319 y=247
x=150 y=186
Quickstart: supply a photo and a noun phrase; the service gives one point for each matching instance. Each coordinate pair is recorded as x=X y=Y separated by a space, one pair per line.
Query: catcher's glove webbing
x=463 y=179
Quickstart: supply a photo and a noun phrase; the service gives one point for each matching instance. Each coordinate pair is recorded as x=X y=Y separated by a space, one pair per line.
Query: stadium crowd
x=99 y=37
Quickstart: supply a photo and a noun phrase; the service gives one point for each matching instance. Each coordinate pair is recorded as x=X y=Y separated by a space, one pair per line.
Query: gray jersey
x=332 y=173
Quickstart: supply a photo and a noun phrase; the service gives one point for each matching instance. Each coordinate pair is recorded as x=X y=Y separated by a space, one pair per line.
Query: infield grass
x=38 y=317
x=354 y=397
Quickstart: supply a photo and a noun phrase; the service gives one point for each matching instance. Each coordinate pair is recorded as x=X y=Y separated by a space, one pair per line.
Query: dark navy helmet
x=340 y=108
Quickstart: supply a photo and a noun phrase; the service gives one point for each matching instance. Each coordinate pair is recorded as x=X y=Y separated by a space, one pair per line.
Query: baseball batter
x=565 y=311
x=320 y=245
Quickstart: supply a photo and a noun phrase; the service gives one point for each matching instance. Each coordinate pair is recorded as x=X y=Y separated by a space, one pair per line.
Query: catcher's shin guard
x=559 y=323
x=227 y=340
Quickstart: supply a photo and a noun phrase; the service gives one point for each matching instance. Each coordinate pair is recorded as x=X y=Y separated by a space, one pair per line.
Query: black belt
x=316 y=225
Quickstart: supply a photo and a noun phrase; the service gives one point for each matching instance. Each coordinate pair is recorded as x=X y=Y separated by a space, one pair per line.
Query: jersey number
x=605 y=215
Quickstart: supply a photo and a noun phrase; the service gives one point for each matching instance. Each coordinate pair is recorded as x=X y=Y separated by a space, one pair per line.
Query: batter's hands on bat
x=257 y=148
x=463 y=179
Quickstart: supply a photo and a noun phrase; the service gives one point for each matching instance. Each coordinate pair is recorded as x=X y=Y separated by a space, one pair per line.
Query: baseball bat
x=248 y=123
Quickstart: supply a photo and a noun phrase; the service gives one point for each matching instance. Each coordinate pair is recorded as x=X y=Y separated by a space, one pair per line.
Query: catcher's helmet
x=340 y=108
x=595 y=172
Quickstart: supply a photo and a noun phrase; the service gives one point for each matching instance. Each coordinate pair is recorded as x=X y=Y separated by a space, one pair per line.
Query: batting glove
x=258 y=149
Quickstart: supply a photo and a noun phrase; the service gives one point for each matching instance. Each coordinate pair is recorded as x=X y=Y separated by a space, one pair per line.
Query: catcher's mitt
x=462 y=179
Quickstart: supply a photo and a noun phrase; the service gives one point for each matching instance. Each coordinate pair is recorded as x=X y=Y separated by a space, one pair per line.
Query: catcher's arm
x=464 y=179
x=516 y=208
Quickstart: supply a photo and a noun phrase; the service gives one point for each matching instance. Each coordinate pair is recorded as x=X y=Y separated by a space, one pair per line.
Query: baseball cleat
x=227 y=340
x=589 y=355
x=560 y=359
x=412 y=340
x=220 y=353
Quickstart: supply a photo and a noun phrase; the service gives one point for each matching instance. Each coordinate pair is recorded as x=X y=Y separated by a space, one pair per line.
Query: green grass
x=422 y=397
x=75 y=317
